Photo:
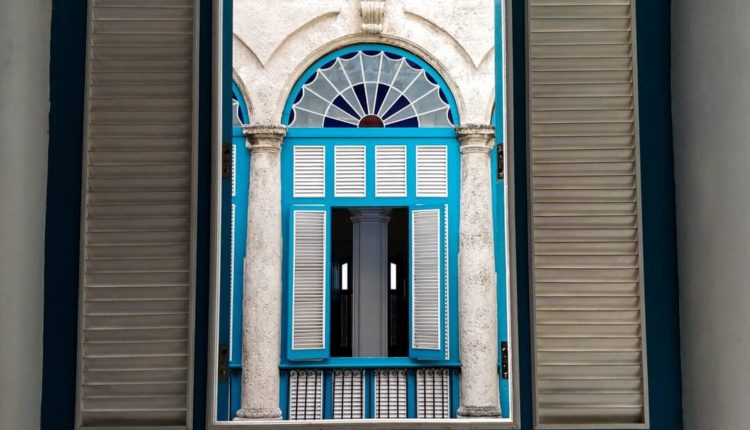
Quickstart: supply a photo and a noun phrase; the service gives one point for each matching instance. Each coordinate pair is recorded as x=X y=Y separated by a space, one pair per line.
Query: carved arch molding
x=276 y=40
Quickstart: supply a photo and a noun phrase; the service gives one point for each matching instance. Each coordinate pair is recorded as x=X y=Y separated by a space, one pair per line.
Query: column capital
x=264 y=137
x=476 y=137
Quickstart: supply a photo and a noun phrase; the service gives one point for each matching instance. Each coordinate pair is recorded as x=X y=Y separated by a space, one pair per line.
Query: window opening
x=370 y=297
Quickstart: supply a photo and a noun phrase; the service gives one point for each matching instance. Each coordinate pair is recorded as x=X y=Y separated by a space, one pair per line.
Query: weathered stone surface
x=455 y=36
x=477 y=292
x=261 y=300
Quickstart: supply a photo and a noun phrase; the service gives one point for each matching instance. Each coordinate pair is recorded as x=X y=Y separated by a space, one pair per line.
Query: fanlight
x=371 y=89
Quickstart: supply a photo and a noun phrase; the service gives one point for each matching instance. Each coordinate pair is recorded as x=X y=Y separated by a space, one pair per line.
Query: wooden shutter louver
x=390 y=171
x=432 y=171
x=309 y=275
x=349 y=171
x=390 y=393
x=309 y=171
x=426 y=281
x=305 y=395
x=433 y=393
x=349 y=388
x=590 y=368
x=136 y=277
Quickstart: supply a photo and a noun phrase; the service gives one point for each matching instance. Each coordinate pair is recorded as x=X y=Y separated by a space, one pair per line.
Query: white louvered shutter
x=427 y=283
x=349 y=171
x=309 y=281
x=390 y=171
x=590 y=367
x=432 y=171
x=309 y=171
x=136 y=277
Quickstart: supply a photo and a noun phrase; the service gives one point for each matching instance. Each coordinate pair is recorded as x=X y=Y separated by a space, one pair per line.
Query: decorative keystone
x=373 y=12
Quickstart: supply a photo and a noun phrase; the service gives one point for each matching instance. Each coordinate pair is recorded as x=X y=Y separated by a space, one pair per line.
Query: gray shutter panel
x=136 y=277
x=589 y=356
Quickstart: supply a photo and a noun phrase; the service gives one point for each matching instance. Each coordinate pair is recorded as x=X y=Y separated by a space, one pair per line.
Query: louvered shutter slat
x=309 y=281
x=136 y=274
x=432 y=171
x=588 y=334
x=390 y=171
x=427 y=283
x=349 y=171
x=309 y=171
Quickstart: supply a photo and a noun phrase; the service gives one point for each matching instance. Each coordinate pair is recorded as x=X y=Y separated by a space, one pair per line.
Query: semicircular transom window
x=370 y=88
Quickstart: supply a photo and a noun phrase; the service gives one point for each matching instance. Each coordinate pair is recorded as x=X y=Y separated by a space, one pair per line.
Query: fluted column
x=261 y=300
x=477 y=292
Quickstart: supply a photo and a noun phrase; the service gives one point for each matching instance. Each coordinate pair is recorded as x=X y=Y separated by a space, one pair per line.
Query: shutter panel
x=427 y=283
x=305 y=395
x=433 y=393
x=390 y=393
x=432 y=171
x=590 y=367
x=309 y=280
x=309 y=171
x=390 y=171
x=349 y=388
x=136 y=277
x=349 y=171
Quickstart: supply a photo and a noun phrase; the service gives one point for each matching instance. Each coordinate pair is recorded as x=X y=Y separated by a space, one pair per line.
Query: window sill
x=370 y=424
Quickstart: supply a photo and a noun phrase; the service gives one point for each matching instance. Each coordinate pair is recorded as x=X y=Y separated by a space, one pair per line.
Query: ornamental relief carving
x=373 y=12
x=276 y=40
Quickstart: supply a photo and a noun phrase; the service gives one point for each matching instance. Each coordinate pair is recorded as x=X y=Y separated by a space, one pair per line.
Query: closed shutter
x=349 y=171
x=390 y=171
x=136 y=277
x=309 y=280
x=589 y=359
x=309 y=171
x=432 y=171
x=427 y=283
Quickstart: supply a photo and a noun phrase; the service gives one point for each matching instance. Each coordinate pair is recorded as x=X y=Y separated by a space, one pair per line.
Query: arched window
x=371 y=88
x=370 y=202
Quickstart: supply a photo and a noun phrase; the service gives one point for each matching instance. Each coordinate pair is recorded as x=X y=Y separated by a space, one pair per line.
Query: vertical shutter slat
x=349 y=171
x=588 y=322
x=432 y=171
x=427 y=279
x=137 y=267
x=390 y=171
x=309 y=279
x=309 y=171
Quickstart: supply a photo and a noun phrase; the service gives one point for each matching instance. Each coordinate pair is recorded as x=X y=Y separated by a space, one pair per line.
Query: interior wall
x=711 y=108
x=24 y=108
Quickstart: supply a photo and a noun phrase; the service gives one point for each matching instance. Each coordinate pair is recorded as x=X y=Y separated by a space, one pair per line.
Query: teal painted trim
x=374 y=133
x=293 y=354
x=327 y=395
x=284 y=395
x=411 y=393
x=237 y=94
x=455 y=393
x=422 y=353
x=373 y=47
x=369 y=377
x=329 y=201
x=368 y=363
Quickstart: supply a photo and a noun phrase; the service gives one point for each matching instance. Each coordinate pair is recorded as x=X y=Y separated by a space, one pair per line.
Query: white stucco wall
x=711 y=109
x=24 y=106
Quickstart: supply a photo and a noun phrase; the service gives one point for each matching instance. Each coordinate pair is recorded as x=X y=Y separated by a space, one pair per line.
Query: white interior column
x=261 y=299
x=477 y=293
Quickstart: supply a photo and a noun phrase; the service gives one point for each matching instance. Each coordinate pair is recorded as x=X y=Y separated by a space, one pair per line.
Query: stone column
x=370 y=286
x=261 y=299
x=477 y=292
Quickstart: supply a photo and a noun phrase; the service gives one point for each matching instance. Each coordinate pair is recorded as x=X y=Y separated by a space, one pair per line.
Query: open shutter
x=136 y=274
x=427 y=274
x=309 y=278
x=589 y=359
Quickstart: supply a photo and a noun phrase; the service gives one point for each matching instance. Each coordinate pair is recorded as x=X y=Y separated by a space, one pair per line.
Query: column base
x=258 y=414
x=479 y=412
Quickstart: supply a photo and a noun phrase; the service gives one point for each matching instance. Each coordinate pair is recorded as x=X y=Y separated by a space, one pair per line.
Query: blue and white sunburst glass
x=371 y=89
